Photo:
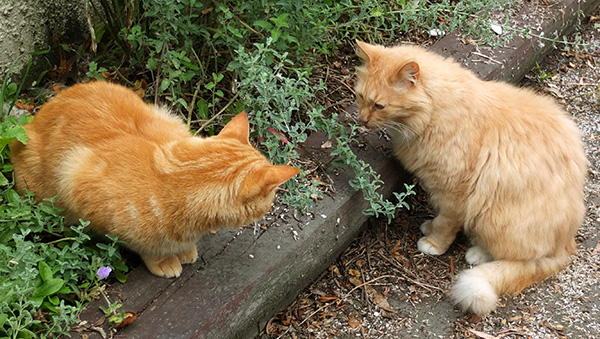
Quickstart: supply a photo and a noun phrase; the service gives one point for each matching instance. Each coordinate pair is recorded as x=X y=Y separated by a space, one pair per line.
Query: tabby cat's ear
x=277 y=175
x=407 y=76
x=363 y=50
x=238 y=128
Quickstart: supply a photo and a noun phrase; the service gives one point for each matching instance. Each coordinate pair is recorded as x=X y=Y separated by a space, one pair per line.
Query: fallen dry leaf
x=596 y=249
x=326 y=144
x=482 y=334
x=352 y=322
x=140 y=92
x=21 y=105
x=131 y=317
x=328 y=298
x=271 y=328
x=474 y=319
x=380 y=300
x=354 y=273
x=355 y=281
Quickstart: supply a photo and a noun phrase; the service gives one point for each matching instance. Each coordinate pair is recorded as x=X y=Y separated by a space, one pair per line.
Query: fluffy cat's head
x=391 y=89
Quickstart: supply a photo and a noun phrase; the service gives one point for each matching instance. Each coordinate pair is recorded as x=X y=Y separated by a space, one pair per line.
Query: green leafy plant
x=47 y=268
x=203 y=56
x=96 y=72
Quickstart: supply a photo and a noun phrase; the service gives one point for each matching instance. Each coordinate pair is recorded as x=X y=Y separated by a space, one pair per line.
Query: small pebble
x=436 y=32
x=251 y=256
x=497 y=29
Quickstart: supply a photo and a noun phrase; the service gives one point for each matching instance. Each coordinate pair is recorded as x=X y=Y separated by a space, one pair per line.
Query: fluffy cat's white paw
x=477 y=255
x=426 y=227
x=473 y=293
x=427 y=247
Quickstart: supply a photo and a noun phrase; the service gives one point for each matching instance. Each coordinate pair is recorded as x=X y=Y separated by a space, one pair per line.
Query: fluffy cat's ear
x=407 y=76
x=238 y=128
x=363 y=50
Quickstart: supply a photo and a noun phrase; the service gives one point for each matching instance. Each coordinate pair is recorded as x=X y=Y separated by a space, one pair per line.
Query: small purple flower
x=103 y=272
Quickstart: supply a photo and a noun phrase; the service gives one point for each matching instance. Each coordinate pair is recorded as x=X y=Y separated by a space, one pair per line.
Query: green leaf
x=264 y=24
x=23 y=119
x=11 y=89
x=152 y=64
x=164 y=85
x=275 y=34
x=102 y=246
x=281 y=20
x=13 y=133
x=13 y=197
x=236 y=32
x=202 y=106
x=122 y=278
x=338 y=162
x=45 y=271
x=49 y=287
x=3 y=318
x=3 y=182
x=377 y=12
x=25 y=334
x=54 y=300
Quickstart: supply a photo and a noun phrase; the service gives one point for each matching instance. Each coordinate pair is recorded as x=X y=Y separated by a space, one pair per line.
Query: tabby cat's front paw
x=426 y=246
x=168 y=268
x=188 y=256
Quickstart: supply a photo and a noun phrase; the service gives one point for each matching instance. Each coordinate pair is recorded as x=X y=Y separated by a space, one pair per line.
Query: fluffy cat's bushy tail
x=477 y=289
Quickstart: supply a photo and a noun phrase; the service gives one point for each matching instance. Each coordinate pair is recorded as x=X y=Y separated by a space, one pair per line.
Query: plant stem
x=219 y=113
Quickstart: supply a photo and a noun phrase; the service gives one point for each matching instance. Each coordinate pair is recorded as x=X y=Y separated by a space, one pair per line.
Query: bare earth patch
x=382 y=287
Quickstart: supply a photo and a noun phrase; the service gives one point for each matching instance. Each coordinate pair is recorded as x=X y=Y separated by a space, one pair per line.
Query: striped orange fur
x=136 y=171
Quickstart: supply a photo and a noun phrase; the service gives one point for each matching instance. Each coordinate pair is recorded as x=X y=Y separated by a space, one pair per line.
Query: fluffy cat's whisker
x=405 y=132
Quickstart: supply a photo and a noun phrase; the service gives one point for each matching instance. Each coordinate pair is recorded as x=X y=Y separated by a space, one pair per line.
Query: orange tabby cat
x=504 y=164
x=135 y=170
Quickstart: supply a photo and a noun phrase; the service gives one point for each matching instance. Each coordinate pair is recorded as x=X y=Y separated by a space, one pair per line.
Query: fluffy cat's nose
x=365 y=121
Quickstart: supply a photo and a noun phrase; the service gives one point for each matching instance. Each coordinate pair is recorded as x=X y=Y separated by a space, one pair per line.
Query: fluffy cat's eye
x=378 y=106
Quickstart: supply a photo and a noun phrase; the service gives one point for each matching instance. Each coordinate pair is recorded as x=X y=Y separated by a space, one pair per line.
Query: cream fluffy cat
x=503 y=164
x=135 y=170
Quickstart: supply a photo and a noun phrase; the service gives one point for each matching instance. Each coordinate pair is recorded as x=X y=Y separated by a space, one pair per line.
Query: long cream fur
x=502 y=163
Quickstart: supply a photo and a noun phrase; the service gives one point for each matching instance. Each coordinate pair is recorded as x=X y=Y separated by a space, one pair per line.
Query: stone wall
x=31 y=25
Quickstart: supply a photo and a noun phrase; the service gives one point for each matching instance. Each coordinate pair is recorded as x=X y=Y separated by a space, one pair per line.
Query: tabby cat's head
x=237 y=183
x=390 y=88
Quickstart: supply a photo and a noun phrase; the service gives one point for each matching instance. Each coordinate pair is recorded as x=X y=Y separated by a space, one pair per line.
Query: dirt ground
x=382 y=287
